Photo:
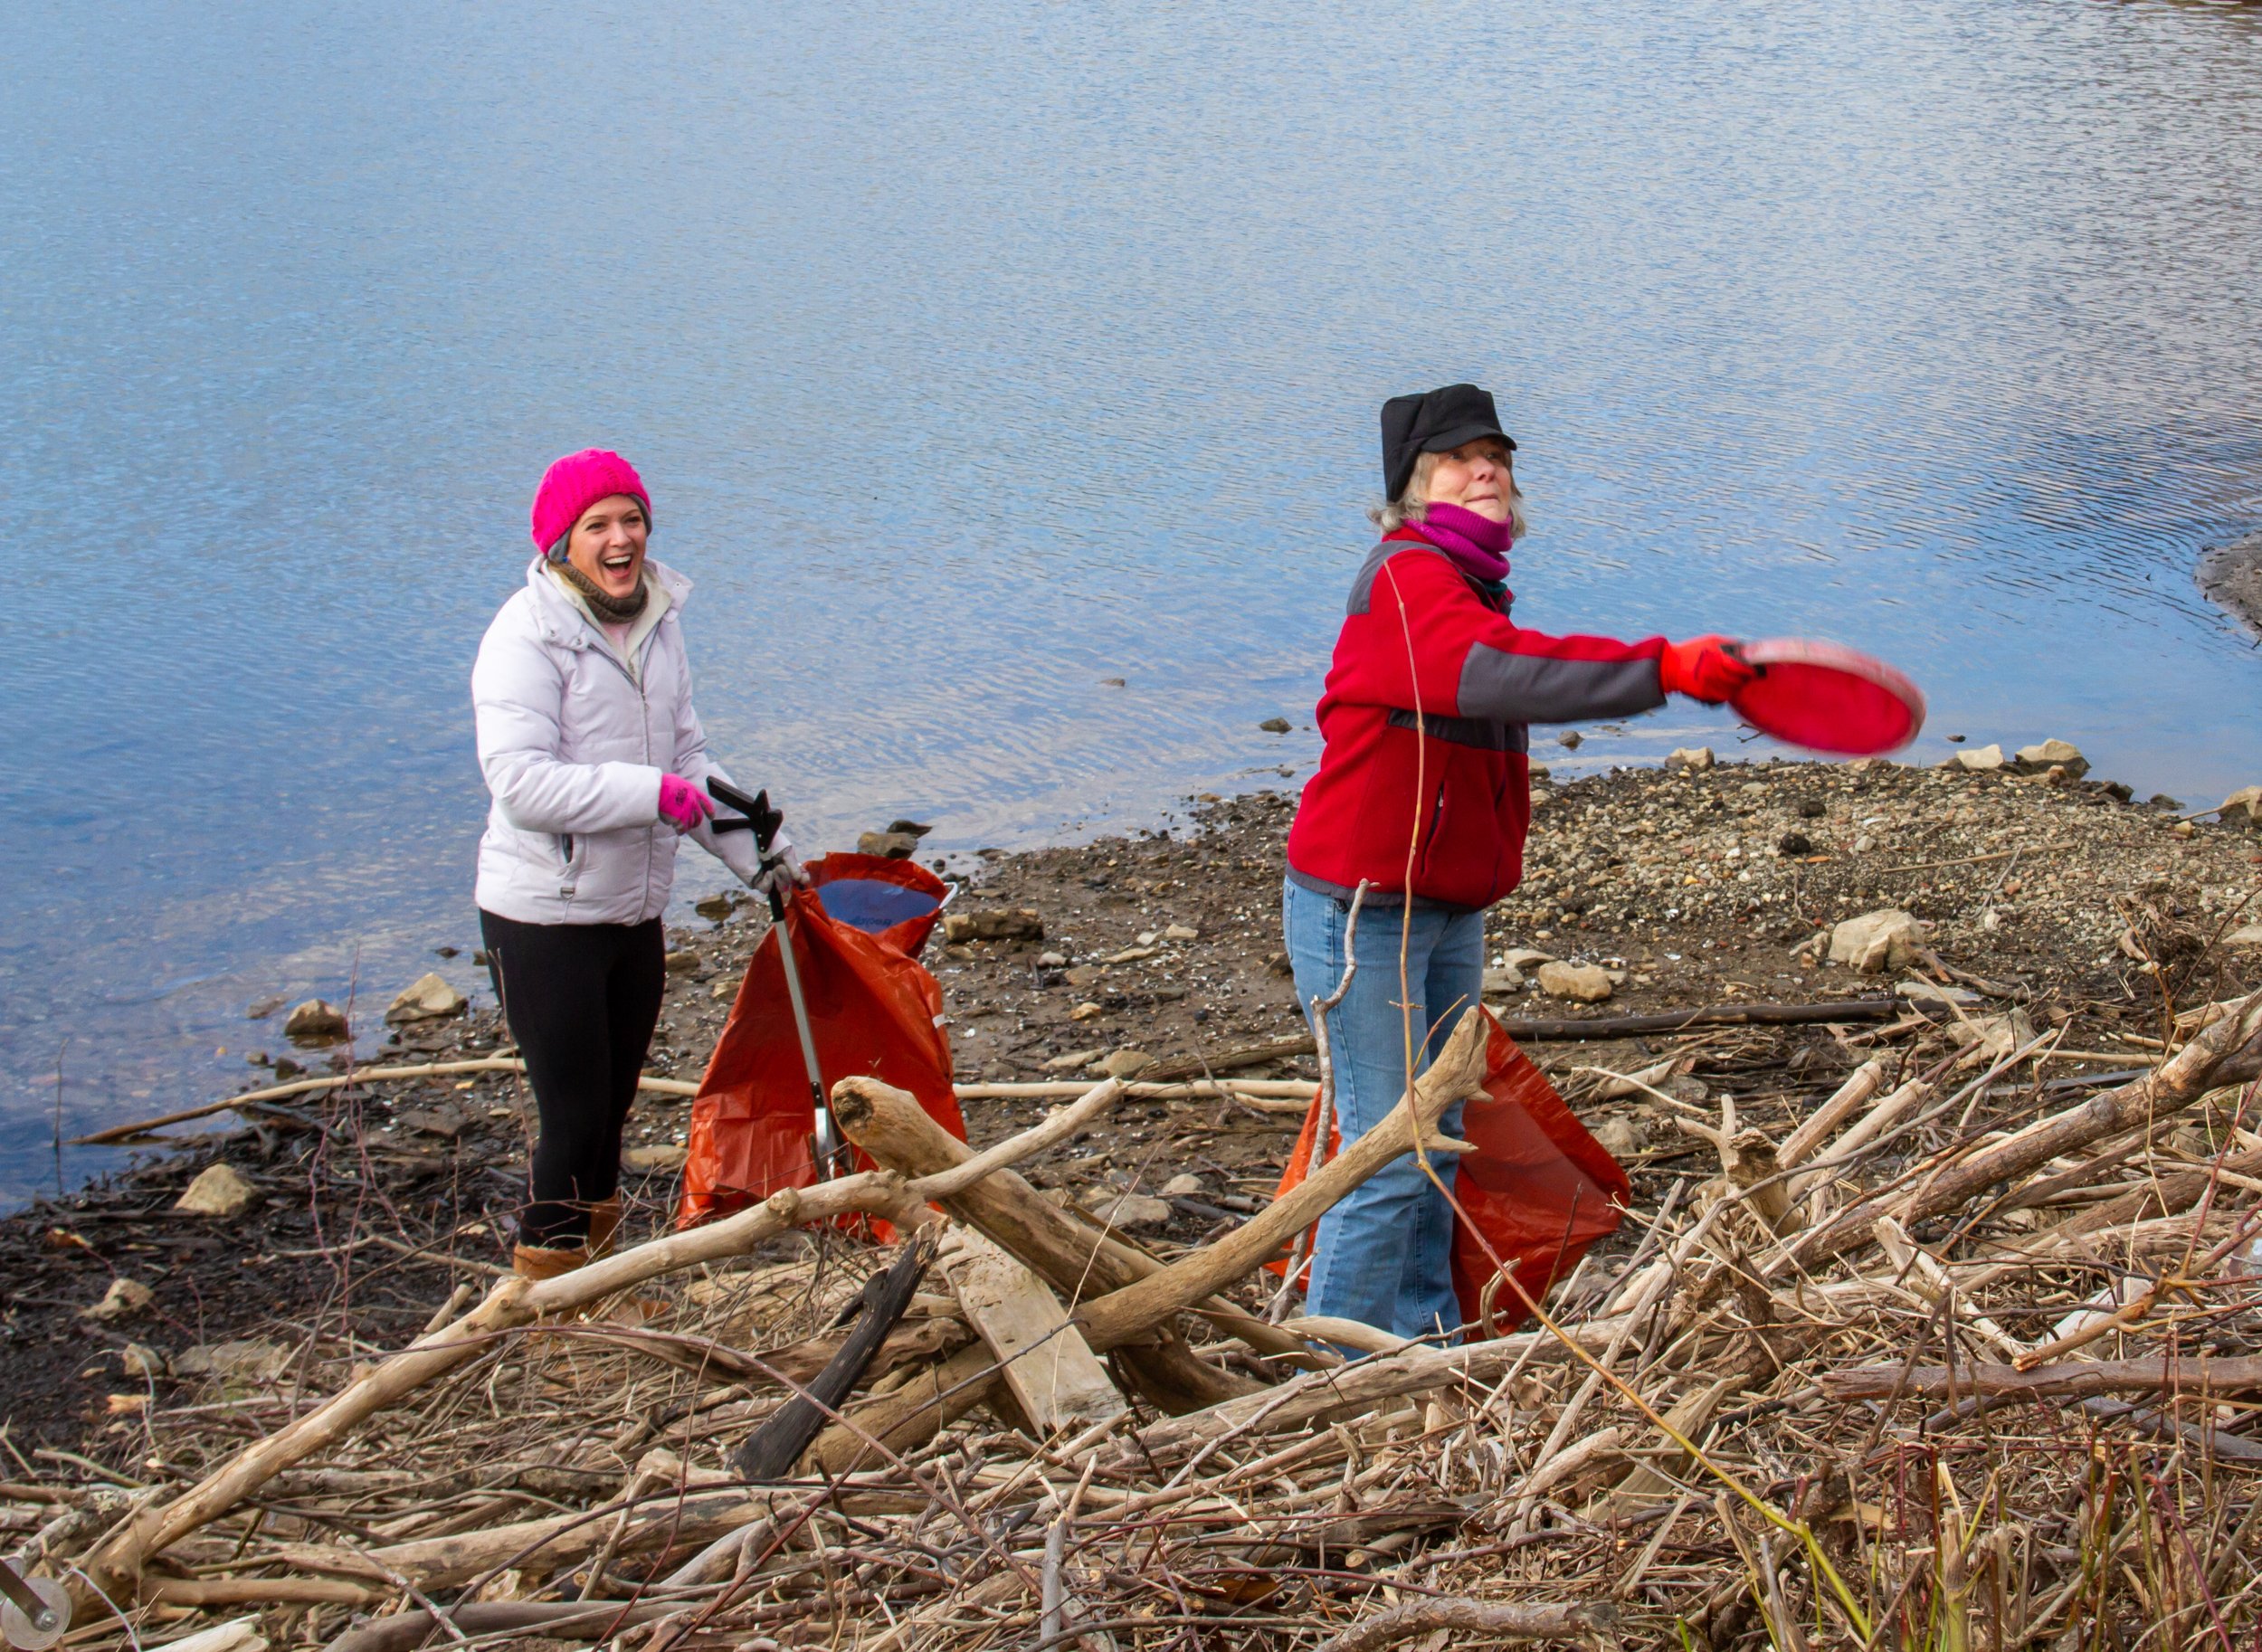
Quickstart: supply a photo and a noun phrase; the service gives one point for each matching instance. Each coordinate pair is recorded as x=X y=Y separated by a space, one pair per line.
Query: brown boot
x=538 y=1262
x=604 y=1221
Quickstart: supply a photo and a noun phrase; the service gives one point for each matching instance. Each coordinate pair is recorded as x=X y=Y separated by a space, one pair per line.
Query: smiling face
x=607 y=544
x=1476 y=476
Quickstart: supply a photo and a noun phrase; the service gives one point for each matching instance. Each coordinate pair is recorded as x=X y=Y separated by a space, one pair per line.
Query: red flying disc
x=1828 y=698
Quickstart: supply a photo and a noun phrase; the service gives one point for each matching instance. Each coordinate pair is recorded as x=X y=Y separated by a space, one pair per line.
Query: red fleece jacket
x=1425 y=722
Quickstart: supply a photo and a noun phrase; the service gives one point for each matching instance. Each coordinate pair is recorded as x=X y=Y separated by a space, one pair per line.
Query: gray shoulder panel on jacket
x=1363 y=586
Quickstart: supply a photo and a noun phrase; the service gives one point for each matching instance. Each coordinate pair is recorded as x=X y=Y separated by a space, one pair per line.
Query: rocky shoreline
x=2038 y=899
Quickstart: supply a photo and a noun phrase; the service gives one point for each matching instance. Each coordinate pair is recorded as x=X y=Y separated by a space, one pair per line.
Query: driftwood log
x=770 y=1452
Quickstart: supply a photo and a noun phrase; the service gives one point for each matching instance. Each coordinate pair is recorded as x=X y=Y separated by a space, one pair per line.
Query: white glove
x=784 y=869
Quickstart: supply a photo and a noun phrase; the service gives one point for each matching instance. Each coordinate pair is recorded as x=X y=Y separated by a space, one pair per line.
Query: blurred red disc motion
x=1828 y=698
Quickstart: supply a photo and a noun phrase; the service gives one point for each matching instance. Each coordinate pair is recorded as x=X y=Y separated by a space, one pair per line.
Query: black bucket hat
x=1435 y=423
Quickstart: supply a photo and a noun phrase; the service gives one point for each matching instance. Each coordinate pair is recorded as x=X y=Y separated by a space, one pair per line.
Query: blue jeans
x=1384 y=1254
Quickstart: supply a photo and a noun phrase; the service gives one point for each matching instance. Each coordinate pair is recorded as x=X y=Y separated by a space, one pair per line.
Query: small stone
x=251 y=1362
x=1582 y=983
x=1112 y=682
x=658 y=1155
x=1071 y=1060
x=1125 y=1210
x=1278 y=963
x=1617 y=1137
x=887 y=845
x=2246 y=935
x=682 y=962
x=447 y=1123
x=1275 y=725
x=1052 y=960
x=1537 y=770
x=1184 y=1185
x=1524 y=960
x=2049 y=754
x=1124 y=1063
x=1081 y=974
x=140 y=1360
x=285 y=1068
x=218 y=1191
x=2161 y=800
x=1794 y=843
x=427 y=998
x=124 y=1298
x=315 y=1022
x=125 y=1405
x=917 y=828
x=1499 y=983
x=1147 y=937
x=994 y=924
x=2243 y=806
x=1131 y=954
x=1181 y=932
x=1695 y=759
x=1877 y=941
x=714 y=907
x=1813 y=809
x=262 y=1008
x=1571 y=739
x=446 y=952
x=1978 y=760
x=1086 y=1012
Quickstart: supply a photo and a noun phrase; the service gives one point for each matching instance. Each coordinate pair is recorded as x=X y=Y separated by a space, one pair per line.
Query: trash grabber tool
x=824 y=1146
x=35 y=1612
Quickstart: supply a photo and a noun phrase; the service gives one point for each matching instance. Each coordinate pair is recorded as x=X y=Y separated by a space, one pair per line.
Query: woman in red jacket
x=1424 y=794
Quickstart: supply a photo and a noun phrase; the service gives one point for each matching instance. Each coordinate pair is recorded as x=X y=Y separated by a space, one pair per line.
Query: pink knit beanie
x=576 y=482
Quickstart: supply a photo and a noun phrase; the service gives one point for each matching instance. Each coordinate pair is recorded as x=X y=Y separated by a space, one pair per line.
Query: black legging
x=582 y=1001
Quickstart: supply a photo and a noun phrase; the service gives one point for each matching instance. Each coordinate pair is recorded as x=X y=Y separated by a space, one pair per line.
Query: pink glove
x=682 y=804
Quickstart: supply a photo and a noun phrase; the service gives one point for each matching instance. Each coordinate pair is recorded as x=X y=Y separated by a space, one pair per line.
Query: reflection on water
x=979 y=353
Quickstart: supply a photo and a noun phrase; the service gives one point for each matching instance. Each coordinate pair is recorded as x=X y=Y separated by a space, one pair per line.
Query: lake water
x=979 y=352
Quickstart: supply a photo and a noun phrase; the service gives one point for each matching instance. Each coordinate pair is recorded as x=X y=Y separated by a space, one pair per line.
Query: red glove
x=1705 y=669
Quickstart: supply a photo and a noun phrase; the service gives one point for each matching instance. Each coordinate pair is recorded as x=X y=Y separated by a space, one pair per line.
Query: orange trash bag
x=1539 y=1189
x=874 y=1011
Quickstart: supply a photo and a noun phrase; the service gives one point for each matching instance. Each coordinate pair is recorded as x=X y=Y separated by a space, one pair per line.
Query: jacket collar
x=564 y=622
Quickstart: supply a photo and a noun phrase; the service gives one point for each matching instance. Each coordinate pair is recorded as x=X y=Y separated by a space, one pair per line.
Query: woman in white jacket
x=597 y=764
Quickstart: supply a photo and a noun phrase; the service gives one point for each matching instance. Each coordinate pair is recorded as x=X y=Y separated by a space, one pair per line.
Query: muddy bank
x=2231 y=576
x=2050 y=896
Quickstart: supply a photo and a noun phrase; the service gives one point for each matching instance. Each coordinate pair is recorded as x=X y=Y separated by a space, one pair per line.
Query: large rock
x=2243 y=807
x=889 y=845
x=315 y=1021
x=1696 y=759
x=218 y=1191
x=1978 y=760
x=996 y=924
x=427 y=998
x=1877 y=941
x=1585 y=983
x=1127 y=1209
x=2049 y=754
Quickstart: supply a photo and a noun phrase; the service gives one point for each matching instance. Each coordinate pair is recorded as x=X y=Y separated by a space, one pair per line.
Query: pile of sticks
x=1951 y=1360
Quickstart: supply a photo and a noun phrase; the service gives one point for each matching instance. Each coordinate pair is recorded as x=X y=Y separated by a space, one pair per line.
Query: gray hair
x=1413 y=505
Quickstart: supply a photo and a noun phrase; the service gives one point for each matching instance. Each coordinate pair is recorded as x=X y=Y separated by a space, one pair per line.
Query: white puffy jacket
x=573 y=738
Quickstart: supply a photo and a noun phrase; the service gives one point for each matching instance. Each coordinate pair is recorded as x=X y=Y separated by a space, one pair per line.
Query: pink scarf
x=1477 y=544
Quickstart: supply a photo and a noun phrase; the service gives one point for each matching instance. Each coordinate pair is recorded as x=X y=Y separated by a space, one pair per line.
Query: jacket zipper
x=1436 y=821
x=644 y=707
